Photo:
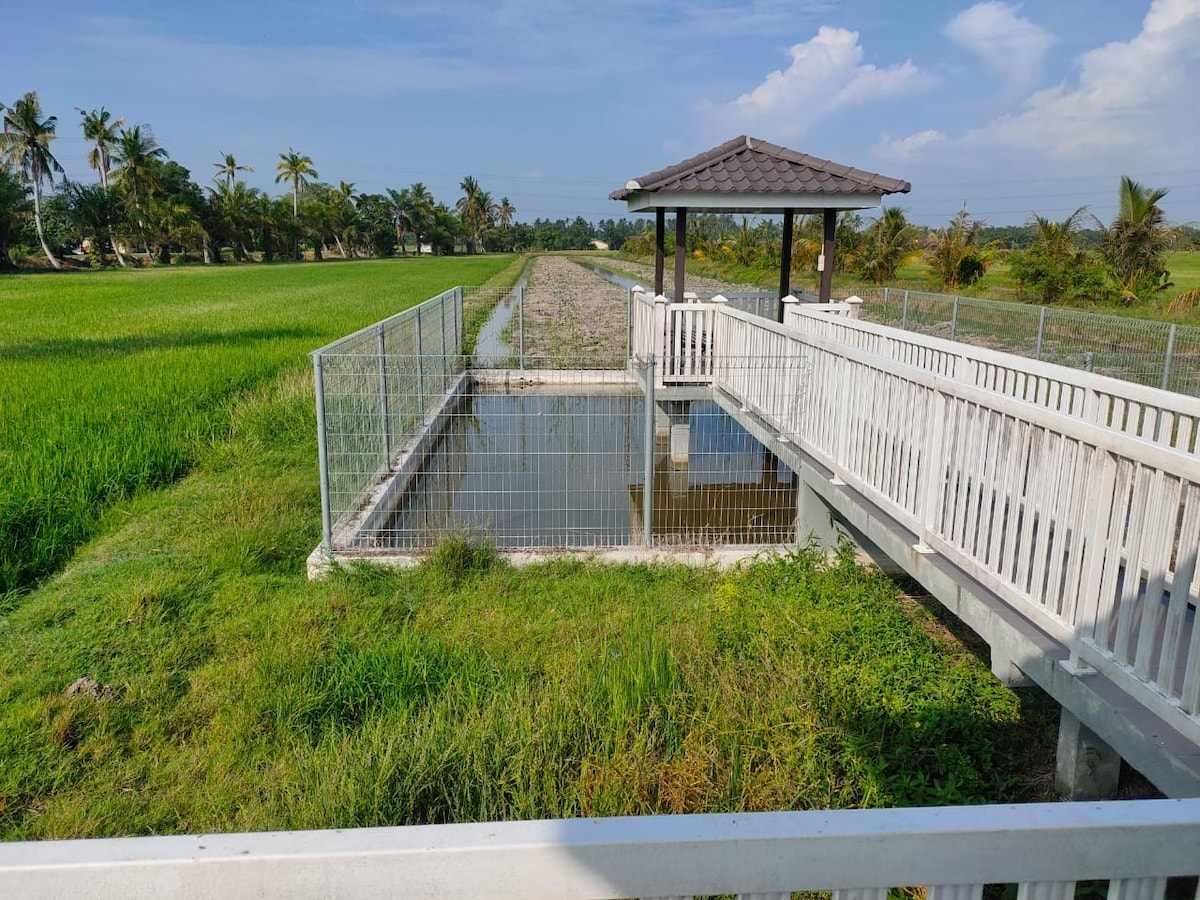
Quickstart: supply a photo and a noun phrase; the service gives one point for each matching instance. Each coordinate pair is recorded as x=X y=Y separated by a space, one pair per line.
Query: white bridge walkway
x=1057 y=513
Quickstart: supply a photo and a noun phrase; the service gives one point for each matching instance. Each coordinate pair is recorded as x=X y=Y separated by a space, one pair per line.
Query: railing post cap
x=661 y=298
x=690 y=296
x=719 y=298
x=638 y=289
x=854 y=299
x=790 y=298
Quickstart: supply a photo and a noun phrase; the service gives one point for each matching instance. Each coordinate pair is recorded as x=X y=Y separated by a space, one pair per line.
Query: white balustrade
x=858 y=854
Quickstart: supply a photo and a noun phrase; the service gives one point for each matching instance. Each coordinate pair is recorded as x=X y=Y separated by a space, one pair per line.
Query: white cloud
x=907 y=147
x=1007 y=44
x=1131 y=96
x=826 y=73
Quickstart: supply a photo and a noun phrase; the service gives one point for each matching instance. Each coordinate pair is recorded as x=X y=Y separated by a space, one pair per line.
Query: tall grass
x=111 y=382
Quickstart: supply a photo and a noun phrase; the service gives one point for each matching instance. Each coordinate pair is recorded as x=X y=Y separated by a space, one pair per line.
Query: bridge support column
x=814 y=518
x=1003 y=658
x=672 y=424
x=1087 y=769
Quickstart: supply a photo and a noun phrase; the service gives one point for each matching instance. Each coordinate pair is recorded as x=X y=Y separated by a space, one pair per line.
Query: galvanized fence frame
x=373 y=387
x=1157 y=354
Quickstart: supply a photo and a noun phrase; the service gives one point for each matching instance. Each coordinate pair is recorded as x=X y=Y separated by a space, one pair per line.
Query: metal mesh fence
x=1157 y=354
x=563 y=453
x=375 y=389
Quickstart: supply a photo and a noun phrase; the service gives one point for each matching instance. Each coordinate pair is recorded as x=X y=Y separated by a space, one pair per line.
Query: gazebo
x=746 y=175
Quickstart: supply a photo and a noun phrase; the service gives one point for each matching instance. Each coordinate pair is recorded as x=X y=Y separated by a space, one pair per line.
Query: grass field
x=112 y=382
x=231 y=693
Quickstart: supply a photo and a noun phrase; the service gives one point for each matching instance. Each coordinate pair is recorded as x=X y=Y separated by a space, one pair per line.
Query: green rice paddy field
x=113 y=382
x=165 y=420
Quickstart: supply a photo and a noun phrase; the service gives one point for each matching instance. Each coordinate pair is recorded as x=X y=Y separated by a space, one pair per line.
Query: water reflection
x=534 y=469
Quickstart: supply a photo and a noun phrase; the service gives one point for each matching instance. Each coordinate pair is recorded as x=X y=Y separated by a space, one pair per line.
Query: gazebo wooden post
x=827 y=251
x=680 y=251
x=660 y=248
x=785 y=259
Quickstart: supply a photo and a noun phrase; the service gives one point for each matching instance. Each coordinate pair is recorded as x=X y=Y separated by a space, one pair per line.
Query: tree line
x=145 y=207
x=1123 y=261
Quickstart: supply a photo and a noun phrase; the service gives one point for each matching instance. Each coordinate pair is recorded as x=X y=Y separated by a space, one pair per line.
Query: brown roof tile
x=748 y=165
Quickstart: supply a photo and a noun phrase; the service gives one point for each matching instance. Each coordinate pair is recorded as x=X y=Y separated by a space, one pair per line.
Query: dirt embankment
x=572 y=313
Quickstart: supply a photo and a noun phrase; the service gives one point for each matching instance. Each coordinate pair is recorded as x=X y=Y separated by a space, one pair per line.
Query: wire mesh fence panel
x=1156 y=354
x=565 y=453
x=375 y=387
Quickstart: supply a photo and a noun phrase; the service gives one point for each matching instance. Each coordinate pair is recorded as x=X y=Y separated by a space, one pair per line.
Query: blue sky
x=1005 y=107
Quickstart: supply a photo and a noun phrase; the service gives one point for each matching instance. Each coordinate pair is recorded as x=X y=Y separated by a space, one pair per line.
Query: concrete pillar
x=680 y=436
x=1003 y=666
x=814 y=519
x=1088 y=769
x=662 y=426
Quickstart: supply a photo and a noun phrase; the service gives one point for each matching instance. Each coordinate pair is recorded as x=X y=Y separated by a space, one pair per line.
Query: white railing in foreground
x=858 y=854
x=1089 y=531
x=1149 y=413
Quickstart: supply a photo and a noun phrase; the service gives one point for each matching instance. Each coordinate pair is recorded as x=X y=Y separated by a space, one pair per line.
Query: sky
x=1006 y=108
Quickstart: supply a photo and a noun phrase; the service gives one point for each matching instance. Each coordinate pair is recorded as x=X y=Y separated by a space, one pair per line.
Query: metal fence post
x=323 y=453
x=1169 y=358
x=420 y=364
x=954 y=319
x=383 y=396
x=648 y=483
x=1041 y=331
x=904 y=313
x=521 y=326
x=1089 y=361
x=628 y=322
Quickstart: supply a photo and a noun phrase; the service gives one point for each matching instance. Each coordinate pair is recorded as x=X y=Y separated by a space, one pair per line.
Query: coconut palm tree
x=1135 y=245
x=421 y=209
x=136 y=156
x=474 y=211
x=228 y=168
x=888 y=244
x=25 y=144
x=398 y=202
x=100 y=128
x=297 y=169
x=14 y=198
x=95 y=212
x=956 y=254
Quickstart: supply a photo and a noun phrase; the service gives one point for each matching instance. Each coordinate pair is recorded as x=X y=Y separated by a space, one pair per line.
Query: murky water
x=532 y=469
x=625 y=281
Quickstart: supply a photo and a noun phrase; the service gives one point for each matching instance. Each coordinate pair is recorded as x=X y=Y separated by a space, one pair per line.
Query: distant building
x=599 y=245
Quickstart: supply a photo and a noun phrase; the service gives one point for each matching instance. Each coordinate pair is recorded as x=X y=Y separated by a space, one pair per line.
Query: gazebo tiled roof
x=753 y=176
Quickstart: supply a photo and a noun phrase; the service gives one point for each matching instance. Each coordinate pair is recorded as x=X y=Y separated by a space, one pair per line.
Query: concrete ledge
x=321 y=563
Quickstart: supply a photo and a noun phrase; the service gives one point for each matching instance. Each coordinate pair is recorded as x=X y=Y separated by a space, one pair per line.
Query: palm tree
x=228 y=168
x=13 y=201
x=95 y=212
x=955 y=253
x=136 y=155
x=888 y=245
x=297 y=169
x=239 y=211
x=1135 y=245
x=420 y=211
x=474 y=210
x=1054 y=267
x=100 y=127
x=25 y=144
x=398 y=203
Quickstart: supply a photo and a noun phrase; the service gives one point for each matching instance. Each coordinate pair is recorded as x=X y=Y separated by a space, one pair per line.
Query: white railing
x=679 y=335
x=1155 y=415
x=1088 y=530
x=859 y=854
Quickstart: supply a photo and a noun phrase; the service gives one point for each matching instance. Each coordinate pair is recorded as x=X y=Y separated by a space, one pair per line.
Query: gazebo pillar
x=660 y=248
x=827 y=255
x=680 y=251
x=785 y=258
